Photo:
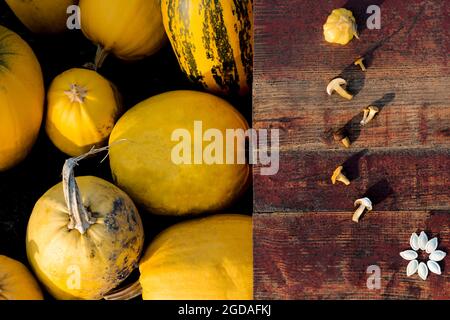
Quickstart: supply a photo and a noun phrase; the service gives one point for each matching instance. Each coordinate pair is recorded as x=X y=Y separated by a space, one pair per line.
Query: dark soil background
x=22 y=186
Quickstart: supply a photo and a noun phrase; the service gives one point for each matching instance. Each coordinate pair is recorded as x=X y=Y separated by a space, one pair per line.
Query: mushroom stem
x=358 y=213
x=359 y=62
x=335 y=85
x=346 y=142
x=343 y=93
x=343 y=179
x=80 y=218
x=364 y=119
x=371 y=115
x=342 y=136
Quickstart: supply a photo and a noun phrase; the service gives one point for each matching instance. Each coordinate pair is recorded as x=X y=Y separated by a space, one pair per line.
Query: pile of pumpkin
x=85 y=235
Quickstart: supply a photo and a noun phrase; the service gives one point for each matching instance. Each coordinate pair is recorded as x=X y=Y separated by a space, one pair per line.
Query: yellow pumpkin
x=203 y=259
x=21 y=98
x=144 y=154
x=83 y=241
x=16 y=282
x=42 y=16
x=82 y=110
x=130 y=29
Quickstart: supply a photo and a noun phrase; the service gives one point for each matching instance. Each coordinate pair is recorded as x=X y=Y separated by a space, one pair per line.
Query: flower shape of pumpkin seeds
x=421 y=243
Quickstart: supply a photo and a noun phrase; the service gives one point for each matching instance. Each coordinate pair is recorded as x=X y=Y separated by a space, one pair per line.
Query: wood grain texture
x=410 y=180
x=408 y=74
x=306 y=246
x=326 y=255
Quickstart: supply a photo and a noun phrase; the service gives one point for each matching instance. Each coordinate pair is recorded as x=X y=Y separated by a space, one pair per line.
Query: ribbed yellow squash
x=204 y=259
x=213 y=41
x=16 y=282
x=130 y=29
x=42 y=16
x=82 y=110
x=145 y=148
x=340 y=27
x=87 y=250
x=21 y=98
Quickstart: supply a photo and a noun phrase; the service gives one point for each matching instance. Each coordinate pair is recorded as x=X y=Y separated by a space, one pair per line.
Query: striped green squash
x=213 y=40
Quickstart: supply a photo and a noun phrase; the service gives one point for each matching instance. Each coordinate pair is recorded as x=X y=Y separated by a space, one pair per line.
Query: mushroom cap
x=334 y=83
x=336 y=174
x=373 y=108
x=365 y=202
x=359 y=60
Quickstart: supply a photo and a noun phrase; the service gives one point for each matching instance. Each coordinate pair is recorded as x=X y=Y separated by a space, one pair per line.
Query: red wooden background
x=306 y=246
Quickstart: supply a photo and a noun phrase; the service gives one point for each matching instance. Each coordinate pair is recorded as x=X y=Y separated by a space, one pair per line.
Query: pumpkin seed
x=434 y=267
x=423 y=239
x=408 y=255
x=437 y=255
x=423 y=271
x=431 y=245
x=414 y=241
x=412 y=267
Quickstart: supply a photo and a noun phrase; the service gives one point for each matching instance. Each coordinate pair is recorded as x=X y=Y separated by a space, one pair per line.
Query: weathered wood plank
x=394 y=180
x=401 y=160
x=414 y=116
x=326 y=255
x=289 y=40
x=408 y=74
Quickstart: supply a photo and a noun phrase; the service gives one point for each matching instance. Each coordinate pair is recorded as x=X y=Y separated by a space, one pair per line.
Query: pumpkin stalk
x=100 y=56
x=80 y=217
x=132 y=291
x=76 y=93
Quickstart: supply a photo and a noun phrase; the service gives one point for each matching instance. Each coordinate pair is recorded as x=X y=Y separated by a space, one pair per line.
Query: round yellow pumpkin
x=42 y=16
x=16 y=282
x=131 y=29
x=83 y=241
x=21 y=99
x=144 y=154
x=203 y=259
x=213 y=41
x=82 y=110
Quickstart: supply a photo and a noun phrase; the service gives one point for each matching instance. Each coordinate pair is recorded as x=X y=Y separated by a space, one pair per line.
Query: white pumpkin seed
x=431 y=245
x=434 y=266
x=423 y=239
x=437 y=255
x=423 y=271
x=408 y=255
x=412 y=267
x=414 y=241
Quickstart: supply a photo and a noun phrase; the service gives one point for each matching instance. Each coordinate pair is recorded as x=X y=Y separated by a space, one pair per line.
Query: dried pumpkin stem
x=132 y=291
x=76 y=93
x=80 y=218
x=100 y=56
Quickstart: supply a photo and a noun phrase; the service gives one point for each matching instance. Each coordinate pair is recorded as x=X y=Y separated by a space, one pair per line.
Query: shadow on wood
x=359 y=9
x=351 y=165
x=379 y=192
x=354 y=128
x=355 y=78
x=445 y=132
x=383 y=102
x=369 y=54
